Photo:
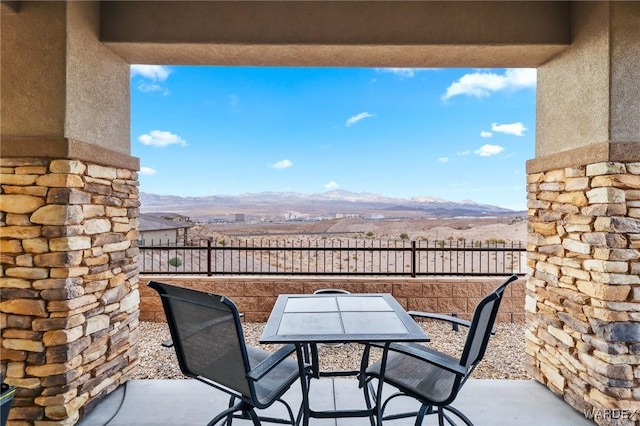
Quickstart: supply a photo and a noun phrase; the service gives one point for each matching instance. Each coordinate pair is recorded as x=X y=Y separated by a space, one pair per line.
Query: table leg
x=304 y=384
x=383 y=366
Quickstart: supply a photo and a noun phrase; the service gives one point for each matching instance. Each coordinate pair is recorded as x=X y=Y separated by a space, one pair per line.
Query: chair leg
x=226 y=413
x=254 y=417
x=289 y=410
x=232 y=401
x=457 y=413
x=420 y=415
x=367 y=400
x=368 y=393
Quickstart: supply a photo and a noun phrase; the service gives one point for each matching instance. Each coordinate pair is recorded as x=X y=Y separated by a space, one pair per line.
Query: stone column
x=69 y=306
x=583 y=294
x=68 y=214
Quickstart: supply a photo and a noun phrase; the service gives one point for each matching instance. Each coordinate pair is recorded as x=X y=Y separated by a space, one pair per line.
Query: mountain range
x=330 y=203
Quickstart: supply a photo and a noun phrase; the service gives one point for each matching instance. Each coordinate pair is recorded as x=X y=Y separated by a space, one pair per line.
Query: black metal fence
x=346 y=257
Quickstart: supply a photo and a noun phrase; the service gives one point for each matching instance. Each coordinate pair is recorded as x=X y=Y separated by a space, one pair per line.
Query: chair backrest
x=484 y=317
x=207 y=336
x=331 y=291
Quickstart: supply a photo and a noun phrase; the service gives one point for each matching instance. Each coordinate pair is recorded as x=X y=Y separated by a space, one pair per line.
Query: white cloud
x=151 y=72
x=148 y=171
x=282 y=164
x=405 y=72
x=488 y=150
x=160 y=138
x=485 y=134
x=151 y=76
x=144 y=86
x=482 y=84
x=356 y=118
x=443 y=159
x=516 y=129
x=522 y=77
x=331 y=185
x=400 y=72
x=463 y=153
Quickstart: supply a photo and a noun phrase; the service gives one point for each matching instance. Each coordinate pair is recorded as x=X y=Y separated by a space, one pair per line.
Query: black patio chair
x=169 y=342
x=430 y=376
x=331 y=291
x=210 y=347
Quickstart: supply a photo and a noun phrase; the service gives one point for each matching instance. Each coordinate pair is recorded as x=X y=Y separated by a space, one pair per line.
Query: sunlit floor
x=189 y=402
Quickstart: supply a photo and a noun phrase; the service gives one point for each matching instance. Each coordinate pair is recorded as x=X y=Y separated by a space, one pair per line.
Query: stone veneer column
x=583 y=294
x=69 y=309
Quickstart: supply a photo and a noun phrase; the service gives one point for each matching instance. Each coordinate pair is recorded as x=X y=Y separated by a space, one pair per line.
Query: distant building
x=227 y=218
x=172 y=217
x=160 y=231
x=291 y=215
x=343 y=215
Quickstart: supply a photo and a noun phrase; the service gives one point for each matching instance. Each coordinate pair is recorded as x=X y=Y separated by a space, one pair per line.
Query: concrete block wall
x=255 y=296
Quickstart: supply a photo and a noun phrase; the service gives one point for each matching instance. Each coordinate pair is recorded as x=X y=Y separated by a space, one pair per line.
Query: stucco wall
x=163 y=236
x=98 y=108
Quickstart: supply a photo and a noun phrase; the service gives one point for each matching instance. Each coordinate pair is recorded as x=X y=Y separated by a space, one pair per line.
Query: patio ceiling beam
x=350 y=33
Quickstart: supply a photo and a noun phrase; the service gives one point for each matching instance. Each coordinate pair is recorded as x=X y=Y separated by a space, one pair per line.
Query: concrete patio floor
x=189 y=402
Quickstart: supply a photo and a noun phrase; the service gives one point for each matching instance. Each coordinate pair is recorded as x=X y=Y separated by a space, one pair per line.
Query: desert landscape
x=349 y=245
x=508 y=229
x=341 y=214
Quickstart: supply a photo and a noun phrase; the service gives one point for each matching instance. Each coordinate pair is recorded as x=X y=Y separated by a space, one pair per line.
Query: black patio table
x=308 y=319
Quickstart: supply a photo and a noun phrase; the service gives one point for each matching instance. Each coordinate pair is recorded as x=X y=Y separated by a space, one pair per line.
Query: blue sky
x=457 y=134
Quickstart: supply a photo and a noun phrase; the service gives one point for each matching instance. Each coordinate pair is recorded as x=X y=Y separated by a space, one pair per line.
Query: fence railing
x=345 y=257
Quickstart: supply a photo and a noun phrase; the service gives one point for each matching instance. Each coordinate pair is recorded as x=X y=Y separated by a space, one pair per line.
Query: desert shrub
x=369 y=234
x=222 y=243
x=404 y=236
x=496 y=241
x=175 y=262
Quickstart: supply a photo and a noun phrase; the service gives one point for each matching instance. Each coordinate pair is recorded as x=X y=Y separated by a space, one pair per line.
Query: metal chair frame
x=480 y=327
x=242 y=402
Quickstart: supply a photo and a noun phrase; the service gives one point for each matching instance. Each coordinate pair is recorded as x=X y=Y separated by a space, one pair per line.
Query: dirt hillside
x=476 y=229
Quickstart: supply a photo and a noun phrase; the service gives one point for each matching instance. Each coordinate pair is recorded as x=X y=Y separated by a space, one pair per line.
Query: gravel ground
x=504 y=359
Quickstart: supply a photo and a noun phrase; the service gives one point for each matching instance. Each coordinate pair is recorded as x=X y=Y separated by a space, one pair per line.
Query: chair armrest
x=440 y=317
x=271 y=362
x=443 y=361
